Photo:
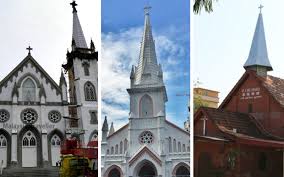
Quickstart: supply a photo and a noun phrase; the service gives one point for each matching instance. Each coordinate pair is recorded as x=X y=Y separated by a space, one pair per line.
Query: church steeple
x=78 y=35
x=146 y=72
x=258 y=57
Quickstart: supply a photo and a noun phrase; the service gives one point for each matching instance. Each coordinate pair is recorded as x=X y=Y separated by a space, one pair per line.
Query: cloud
x=119 y=52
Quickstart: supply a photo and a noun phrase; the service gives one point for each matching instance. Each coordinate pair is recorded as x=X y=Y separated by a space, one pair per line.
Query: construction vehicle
x=78 y=160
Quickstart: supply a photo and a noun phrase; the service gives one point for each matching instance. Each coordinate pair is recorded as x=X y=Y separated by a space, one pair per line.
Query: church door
x=29 y=150
x=147 y=170
x=3 y=151
x=182 y=171
x=55 y=149
x=114 y=173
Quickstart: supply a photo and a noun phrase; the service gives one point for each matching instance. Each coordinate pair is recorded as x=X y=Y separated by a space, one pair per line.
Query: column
x=14 y=142
x=44 y=148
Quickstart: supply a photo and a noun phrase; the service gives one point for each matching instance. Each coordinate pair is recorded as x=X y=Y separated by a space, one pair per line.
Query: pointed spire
x=92 y=46
x=62 y=80
x=78 y=35
x=111 y=130
x=105 y=125
x=147 y=65
x=132 y=73
x=258 y=56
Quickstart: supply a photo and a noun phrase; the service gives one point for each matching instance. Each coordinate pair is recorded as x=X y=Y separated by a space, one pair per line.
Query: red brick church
x=244 y=137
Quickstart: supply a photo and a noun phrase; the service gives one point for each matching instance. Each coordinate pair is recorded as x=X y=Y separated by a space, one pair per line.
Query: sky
x=222 y=40
x=122 y=27
x=47 y=27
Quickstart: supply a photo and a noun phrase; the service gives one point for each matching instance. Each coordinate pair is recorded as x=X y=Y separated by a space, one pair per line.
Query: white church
x=37 y=113
x=149 y=145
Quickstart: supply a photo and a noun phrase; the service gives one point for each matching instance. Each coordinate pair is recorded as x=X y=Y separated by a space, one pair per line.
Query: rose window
x=29 y=116
x=54 y=116
x=4 y=115
x=146 y=137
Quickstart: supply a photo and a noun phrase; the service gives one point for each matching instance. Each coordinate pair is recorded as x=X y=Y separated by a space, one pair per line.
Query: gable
x=28 y=68
x=250 y=95
x=140 y=155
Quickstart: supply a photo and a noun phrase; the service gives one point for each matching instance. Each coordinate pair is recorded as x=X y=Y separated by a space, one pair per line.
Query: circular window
x=4 y=115
x=146 y=137
x=29 y=116
x=54 y=116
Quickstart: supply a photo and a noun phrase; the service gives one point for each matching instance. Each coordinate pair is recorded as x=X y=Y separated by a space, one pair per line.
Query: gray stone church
x=37 y=113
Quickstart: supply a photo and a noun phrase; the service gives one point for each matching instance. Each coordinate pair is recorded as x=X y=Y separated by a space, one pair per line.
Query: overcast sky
x=222 y=40
x=122 y=27
x=47 y=27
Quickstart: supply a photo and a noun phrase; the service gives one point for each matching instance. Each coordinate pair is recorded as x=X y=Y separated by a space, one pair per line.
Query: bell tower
x=82 y=69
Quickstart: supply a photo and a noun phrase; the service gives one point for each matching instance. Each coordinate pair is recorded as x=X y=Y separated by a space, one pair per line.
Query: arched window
x=108 y=151
x=95 y=137
x=55 y=140
x=86 y=67
x=175 y=145
x=116 y=149
x=112 y=150
x=120 y=147
x=170 y=144
x=90 y=92
x=179 y=147
x=183 y=148
x=146 y=106
x=29 y=90
x=29 y=139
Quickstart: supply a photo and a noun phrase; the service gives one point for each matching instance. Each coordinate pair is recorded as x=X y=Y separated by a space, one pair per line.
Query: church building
x=245 y=135
x=148 y=145
x=37 y=113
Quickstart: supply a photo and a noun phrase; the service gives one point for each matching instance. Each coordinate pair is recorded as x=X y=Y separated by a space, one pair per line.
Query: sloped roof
x=275 y=87
x=20 y=66
x=243 y=123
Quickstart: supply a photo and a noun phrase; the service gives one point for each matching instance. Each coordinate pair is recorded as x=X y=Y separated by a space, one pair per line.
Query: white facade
x=35 y=111
x=148 y=145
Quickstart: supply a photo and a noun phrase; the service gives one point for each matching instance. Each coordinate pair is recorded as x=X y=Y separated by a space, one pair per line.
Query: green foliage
x=200 y=4
x=198 y=102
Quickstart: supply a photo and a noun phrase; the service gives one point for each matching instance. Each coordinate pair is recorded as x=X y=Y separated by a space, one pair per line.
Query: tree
x=200 y=4
x=198 y=102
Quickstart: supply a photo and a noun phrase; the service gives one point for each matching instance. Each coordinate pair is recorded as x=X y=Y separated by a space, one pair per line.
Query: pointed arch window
x=90 y=92
x=146 y=106
x=55 y=140
x=3 y=141
x=175 y=145
x=29 y=139
x=29 y=90
x=170 y=144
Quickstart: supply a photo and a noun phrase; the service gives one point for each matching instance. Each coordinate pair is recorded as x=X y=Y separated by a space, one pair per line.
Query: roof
x=78 y=35
x=233 y=121
x=258 y=52
x=27 y=59
x=145 y=150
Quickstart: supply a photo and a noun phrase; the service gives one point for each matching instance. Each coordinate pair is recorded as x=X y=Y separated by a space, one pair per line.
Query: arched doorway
x=3 y=151
x=29 y=150
x=204 y=164
x=147 y=169
x=182 y=171
x=55 y=143
x=114 y=173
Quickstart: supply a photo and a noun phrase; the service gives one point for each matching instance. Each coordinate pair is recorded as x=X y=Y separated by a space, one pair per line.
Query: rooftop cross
x=260 y=7
x=73 y=4
x=147 y=10
x=29 y=49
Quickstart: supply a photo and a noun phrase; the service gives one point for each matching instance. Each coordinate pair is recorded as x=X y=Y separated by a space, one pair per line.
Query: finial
x=73 y=4
x=147 y=10
x=260 y=7
x=29 y=49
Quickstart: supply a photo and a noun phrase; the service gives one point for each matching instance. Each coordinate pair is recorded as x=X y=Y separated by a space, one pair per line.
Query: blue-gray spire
x=258 y=56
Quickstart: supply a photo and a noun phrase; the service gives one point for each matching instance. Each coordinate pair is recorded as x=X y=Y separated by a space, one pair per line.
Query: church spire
x=147 y=66
x=258 y=58
x=78 y=35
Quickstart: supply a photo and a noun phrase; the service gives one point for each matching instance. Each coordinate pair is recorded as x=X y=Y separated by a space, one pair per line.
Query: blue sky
x=122 y=26
x=222 y=40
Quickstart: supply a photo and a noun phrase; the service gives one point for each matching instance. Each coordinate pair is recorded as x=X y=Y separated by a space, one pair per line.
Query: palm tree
x=199 y=4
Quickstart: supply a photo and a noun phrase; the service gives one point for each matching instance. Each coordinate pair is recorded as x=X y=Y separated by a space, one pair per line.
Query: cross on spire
x=147 y=10
x=260 y=7
x=73 y=4
x=29 y=49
